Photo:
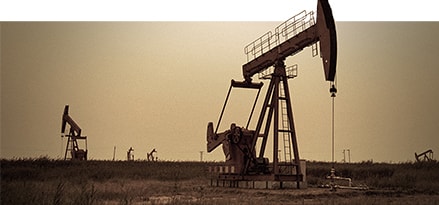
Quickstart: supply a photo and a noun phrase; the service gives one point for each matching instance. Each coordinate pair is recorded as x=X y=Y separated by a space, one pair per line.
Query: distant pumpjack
x=425 y=156
x=130 y=154
x=73 y=136
x=150 y=156
x=266 y=56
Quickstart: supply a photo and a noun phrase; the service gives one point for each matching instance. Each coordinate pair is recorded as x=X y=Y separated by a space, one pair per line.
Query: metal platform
x=227 y=176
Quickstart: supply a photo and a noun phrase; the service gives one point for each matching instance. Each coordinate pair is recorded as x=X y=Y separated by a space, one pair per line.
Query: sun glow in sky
x=157 y=84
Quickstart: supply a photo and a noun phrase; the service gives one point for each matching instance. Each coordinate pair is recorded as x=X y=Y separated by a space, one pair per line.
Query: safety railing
x=288 y=29
x=259 y=46
x=294 y=26
x=291 y=72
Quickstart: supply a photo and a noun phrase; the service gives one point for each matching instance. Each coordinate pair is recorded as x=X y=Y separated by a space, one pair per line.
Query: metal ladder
x=72 y=147
x=69 y=147
x=286 y=134
x=315 y=50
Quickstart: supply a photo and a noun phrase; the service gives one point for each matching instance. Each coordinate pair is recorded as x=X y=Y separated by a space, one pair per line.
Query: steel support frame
x=72 y=141
x=272 y=102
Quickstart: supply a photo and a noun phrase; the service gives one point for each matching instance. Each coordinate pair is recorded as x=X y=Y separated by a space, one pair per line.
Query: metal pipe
x=253 y=109
x=333 y=132
x=224 y=107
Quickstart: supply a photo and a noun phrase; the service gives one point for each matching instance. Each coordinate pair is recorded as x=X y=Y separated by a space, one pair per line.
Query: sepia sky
x=157 y=84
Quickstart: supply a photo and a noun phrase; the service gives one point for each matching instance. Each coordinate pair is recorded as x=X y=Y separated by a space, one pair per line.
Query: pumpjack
x=130 y=154
x=426 y=156
x=73 y=137
x=266 y=56
x=150 y=155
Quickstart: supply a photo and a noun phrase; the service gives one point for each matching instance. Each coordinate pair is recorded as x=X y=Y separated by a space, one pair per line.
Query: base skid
x=227 y=176
x=257 y=183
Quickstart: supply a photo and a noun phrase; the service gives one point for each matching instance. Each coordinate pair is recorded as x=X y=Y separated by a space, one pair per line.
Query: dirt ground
x=200 y=192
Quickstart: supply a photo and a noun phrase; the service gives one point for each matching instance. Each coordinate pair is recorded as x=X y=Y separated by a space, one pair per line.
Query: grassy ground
x=45 y=181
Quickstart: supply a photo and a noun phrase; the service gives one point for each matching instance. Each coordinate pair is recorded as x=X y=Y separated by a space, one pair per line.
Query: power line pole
x=344 y=155
x=349 y=155
x=201 y=156
x=114 y=153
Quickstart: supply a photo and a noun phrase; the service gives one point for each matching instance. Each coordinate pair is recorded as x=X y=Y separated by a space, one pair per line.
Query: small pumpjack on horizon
x=130 y=154
x=426 y=156
x=244 y=164
x=150 y=156
x=73 y=137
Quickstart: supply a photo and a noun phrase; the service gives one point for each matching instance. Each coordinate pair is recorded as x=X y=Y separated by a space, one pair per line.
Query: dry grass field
x=46 y=181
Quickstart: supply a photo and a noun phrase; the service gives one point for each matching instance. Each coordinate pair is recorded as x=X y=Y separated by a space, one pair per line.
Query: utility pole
x=349 y=155
x=344 y=156
x=201 y=156
x=114 y=153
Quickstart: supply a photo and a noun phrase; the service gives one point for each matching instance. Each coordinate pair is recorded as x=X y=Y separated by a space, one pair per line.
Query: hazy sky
x=157 y=84
x=212 y=10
